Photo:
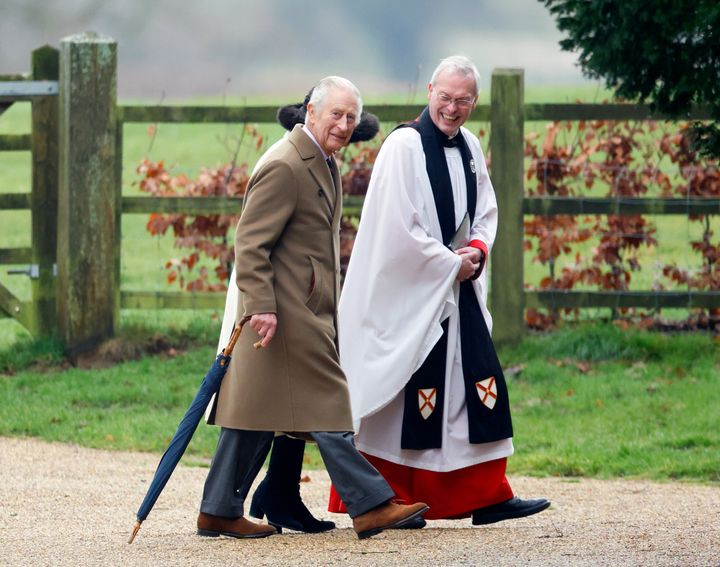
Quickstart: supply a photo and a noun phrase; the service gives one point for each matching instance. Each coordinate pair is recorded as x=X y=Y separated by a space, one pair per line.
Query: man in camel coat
x=287 y=263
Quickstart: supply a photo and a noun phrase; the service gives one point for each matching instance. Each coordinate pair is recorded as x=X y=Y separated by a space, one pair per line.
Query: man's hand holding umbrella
x=264 y=325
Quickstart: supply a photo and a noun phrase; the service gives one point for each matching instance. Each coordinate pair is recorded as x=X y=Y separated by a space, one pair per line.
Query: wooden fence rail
x=76 y=202
x=621 y=299
x=559 y=112
x=15 y=142
x=619 y=206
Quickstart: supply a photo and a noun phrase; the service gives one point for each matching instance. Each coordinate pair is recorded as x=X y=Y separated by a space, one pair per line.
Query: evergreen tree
x=665 y=52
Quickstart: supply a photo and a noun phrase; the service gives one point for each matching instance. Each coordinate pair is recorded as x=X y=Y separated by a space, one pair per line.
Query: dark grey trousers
x=240 y=455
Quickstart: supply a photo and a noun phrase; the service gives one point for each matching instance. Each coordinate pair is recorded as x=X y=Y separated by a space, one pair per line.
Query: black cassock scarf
x=483 y=375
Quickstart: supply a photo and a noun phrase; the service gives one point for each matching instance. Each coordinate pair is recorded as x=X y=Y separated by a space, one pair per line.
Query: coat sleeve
x=269 y=205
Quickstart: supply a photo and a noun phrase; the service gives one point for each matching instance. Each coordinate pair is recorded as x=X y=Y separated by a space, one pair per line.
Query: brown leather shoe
x=388 y=516
x=214 y=526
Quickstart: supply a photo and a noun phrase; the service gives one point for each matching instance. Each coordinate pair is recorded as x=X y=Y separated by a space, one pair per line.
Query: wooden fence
x=76 y=200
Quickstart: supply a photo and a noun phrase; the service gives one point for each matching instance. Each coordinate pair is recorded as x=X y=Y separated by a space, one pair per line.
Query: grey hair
x=317 y=99
x=460 y=65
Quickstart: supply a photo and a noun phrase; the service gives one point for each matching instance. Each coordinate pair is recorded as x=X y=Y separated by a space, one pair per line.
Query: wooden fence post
x=117 y=261
x=506 y=147
x=87 y=193
x=44 y=198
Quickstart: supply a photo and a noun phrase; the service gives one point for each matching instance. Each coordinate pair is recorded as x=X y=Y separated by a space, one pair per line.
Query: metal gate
x=41 y=91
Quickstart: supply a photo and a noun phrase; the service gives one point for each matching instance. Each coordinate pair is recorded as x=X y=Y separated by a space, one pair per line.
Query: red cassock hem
x=450 y=495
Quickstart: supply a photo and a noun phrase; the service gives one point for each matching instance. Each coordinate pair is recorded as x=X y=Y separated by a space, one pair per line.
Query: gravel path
x=67 y=505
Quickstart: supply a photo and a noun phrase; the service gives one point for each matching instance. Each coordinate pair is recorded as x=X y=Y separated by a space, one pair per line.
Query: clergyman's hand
x=265 y=325
x=470 y=262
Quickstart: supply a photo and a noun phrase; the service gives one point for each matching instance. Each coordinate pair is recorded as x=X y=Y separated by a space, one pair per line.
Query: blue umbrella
x=209 y=387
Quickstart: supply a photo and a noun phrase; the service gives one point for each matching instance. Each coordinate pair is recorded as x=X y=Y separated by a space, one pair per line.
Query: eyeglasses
x=459 y=102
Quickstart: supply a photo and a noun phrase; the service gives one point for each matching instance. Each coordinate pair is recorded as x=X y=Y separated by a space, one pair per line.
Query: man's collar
x=310 y=134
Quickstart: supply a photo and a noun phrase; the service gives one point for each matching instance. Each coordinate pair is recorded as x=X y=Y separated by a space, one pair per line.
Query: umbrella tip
x=136 y=529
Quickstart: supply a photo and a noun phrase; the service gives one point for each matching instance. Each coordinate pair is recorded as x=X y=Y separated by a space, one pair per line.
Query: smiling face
x=452 y=99
x=333 y=122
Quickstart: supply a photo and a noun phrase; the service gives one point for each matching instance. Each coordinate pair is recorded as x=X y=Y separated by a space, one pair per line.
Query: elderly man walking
x=287 y=265
x=428 y=394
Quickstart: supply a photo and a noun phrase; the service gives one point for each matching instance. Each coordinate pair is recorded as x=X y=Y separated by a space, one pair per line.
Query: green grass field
x=592 y=401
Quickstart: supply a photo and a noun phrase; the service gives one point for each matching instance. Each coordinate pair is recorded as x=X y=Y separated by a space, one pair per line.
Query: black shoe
x=508 y=510
x=286 y=511
x=278 y=495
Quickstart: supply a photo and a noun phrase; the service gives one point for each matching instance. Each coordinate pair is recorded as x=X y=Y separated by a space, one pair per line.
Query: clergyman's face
x=452 y=99
x=333 y=123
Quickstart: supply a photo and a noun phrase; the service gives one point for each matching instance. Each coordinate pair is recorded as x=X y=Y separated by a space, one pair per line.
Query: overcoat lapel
x=337 y=187
x=337 y=219
x=313 y=159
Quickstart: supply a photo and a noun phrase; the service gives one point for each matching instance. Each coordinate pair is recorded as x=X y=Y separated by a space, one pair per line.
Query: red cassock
x=450 y=495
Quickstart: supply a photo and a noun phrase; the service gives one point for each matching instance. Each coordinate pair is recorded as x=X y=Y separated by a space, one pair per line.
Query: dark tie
x=331 y=165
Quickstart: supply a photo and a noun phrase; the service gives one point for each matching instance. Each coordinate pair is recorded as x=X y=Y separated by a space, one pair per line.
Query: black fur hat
x=292 y=114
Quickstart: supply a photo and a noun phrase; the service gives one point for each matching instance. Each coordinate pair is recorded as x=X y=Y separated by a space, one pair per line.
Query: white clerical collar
x=309 y=133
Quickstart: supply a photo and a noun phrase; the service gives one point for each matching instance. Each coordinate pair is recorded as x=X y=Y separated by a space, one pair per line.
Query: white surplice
x=400 y=286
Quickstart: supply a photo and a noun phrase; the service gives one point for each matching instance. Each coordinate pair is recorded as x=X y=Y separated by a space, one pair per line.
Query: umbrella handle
x=236 y=335
x=227 y=351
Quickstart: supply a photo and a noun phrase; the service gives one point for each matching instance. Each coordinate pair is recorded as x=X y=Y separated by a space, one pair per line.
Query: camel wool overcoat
x=287 y=262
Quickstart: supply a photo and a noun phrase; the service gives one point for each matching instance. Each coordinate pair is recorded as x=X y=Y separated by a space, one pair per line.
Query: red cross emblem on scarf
x=487 y=390
x=426 y=401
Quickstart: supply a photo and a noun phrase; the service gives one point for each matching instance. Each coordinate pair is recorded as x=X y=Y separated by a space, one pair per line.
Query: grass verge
x=590 y=401
x=598 y=401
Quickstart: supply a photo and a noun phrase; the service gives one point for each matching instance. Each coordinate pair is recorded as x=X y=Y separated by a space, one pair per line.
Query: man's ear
x=429 y=90
x=310 y=113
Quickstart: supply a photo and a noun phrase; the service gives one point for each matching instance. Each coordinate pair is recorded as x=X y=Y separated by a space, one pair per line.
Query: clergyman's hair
x=457 y=64
x=317 y=98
